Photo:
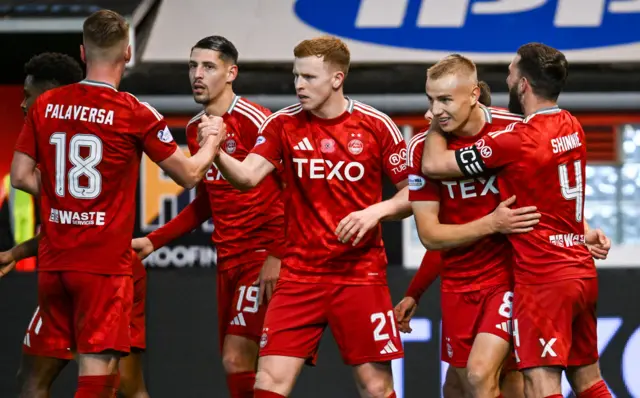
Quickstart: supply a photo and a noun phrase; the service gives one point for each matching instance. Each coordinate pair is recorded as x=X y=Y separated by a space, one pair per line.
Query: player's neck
x=475 y=123
x=104 y=74
x=220 y=105
x=536 y=105
x=335 y=106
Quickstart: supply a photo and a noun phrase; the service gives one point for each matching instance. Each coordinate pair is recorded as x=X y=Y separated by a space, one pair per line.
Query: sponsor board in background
x=404 y=30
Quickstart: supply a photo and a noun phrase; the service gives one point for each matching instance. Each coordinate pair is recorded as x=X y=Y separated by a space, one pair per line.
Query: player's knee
x=237 y=362
x=268 y=380
x=377 y=388
x=482 y=376
x=584 y=377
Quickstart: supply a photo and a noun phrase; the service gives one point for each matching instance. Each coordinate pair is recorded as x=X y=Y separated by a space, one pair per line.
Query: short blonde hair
x=454 y=64
x=332 y=49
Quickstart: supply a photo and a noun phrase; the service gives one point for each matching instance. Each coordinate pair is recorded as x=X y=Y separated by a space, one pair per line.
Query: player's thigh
x=584 y=344
x=374 y=379
x=542 y=324
x=295 y=320
x=102 y=311
x=247 y=316
x=131 y=375
x=461 y=316
x=363 y=324
x=52 y=323
x=512 y=384
x=492 y=343
x=226 y=288
x=39 y=372
x=138 y=330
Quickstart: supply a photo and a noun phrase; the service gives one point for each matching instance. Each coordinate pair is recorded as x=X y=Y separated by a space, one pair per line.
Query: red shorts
x=555 y=324
x=466 y=314
x=84 y=312
x=360 y=317
x=33 y=343
x=238 y=311
x=138 y=321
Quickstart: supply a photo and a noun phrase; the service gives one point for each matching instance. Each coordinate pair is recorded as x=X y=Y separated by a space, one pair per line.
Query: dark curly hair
x=55 y=68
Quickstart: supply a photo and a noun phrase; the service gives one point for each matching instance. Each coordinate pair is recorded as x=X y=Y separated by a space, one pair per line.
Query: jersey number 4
x=575 y=192
x=82 y=165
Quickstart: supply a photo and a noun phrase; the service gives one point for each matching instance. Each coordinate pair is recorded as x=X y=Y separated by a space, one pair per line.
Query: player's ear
x=337 y=80
x=232 y=73
x=127 y=56
x=475 y=94
x=83 y=56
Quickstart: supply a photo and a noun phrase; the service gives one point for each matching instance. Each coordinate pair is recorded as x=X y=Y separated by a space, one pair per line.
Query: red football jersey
x=488 y=261
x=543 y=162
x=244 y=222
x=88 y=139
x=332 y=167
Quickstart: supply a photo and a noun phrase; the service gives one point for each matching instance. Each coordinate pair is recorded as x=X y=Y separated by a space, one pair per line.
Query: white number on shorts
x=380 y=318
x=82 y=166
x=575 y=192
x=250 y=294
x=507 y=305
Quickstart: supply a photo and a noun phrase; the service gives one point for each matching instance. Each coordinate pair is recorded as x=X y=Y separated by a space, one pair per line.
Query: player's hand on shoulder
x=404 y=311
x=506 y=220
x=267 y=279
x=598 y=243
x=357 y=224
x=211 y=126
x=6 y=263
x=142 y=246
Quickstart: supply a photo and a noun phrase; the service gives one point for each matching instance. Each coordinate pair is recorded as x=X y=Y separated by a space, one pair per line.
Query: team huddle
x=296 y=200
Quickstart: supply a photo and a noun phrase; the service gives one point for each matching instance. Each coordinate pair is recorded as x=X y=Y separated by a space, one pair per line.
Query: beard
x=515 y=106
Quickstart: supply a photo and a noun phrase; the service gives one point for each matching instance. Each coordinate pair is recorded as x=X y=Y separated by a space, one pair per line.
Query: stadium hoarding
x=183 y=358
x=378 y=31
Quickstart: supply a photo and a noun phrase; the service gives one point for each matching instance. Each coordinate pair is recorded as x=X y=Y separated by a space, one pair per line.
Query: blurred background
x=392 y=43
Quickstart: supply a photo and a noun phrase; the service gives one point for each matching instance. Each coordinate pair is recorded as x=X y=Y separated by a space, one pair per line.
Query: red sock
x=266 y=394
x=241 y=384
x=393 y=395
x=598 y=390
x=500 y=396
x=555 y=396
x=97 y=386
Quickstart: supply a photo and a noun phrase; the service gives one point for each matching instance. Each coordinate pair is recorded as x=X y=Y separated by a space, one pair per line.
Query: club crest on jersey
x=327 y=145
x=260 y=140
x=263 y=339
x=165 y=135
x=485 y=151
x=355 y=146
x=230 y=146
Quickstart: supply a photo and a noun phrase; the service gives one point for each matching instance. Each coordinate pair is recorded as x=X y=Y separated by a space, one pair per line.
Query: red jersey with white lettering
x=332 y=167
x=488 y=261
x=245 y=222
x=543 y=162
x=88 y=139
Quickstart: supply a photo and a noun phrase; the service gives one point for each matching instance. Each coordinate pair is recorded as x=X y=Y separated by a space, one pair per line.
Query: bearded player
x=87 y=139
x=458 y=217
x=333 y=152
x=249 y=226
x=541 y=161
